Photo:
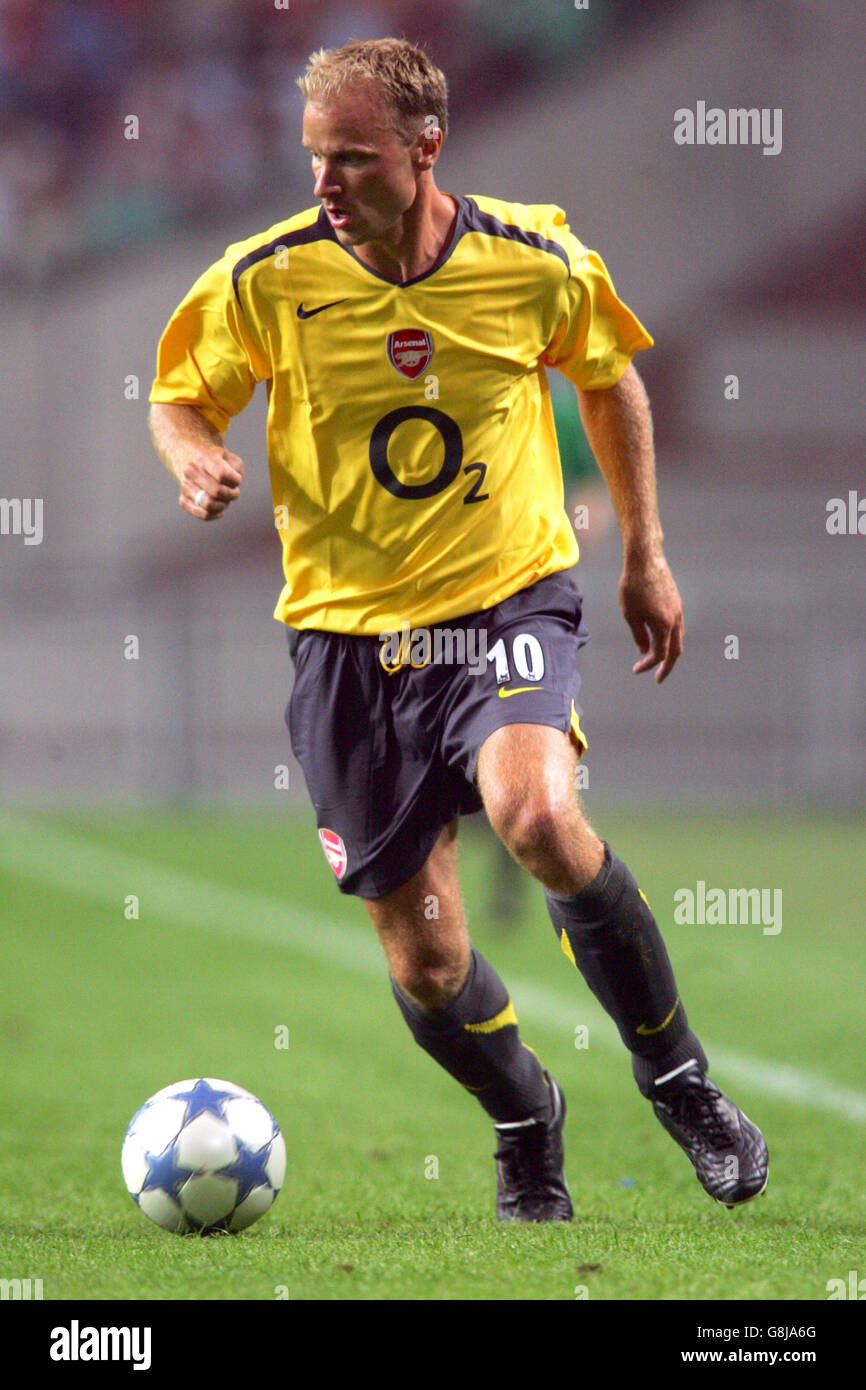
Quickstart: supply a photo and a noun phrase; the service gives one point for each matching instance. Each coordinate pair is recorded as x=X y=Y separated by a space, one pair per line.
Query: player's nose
x=325 y=183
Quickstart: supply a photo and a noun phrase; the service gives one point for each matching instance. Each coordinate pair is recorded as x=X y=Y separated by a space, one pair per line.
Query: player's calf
x=475 y=1037
x=608 y=931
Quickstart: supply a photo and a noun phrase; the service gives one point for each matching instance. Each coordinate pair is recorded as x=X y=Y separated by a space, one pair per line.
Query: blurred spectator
x=212 y=83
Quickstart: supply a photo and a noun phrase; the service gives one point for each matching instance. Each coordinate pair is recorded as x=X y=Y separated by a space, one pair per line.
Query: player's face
x=365 y=174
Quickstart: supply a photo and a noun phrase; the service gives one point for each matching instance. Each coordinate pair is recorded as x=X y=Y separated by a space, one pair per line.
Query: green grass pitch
x=241 y=933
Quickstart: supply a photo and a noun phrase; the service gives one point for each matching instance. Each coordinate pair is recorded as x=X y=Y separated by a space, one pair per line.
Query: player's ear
x=428 y=145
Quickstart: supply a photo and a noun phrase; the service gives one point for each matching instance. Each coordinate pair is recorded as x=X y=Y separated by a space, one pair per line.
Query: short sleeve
x=596 y=335
x=207 y=356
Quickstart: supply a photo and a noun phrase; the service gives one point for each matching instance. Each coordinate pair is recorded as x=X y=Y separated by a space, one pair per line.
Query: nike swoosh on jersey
x=518 y=689
x=308 y=313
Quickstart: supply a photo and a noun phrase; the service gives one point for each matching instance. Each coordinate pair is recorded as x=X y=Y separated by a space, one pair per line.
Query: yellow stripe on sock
x=492 y=1025
x=566 y=946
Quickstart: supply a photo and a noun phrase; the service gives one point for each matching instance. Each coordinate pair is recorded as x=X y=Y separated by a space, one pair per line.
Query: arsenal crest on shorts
x=335 y=851
x=409 y=350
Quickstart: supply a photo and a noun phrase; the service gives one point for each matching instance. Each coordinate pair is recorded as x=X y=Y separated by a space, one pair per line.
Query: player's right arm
x=208 y=474
x=208 y=362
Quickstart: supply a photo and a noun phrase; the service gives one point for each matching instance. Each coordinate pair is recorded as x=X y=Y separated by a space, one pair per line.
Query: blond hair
x=411 y=85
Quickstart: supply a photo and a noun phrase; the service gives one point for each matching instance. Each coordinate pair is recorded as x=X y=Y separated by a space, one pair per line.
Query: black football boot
x=727 y=1150
x=530 y=1181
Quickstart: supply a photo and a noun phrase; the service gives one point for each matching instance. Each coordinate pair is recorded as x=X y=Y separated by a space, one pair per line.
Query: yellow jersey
x=413 y=455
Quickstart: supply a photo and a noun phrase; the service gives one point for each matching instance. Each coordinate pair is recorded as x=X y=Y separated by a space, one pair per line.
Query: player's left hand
x=653 y=609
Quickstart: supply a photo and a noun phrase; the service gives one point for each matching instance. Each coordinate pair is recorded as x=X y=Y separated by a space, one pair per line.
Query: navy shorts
x=388 y=732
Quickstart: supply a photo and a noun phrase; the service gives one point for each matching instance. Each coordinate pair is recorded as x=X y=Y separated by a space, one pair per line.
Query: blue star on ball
x=248 y=1169
x=204 y=1099
x=164 y=1171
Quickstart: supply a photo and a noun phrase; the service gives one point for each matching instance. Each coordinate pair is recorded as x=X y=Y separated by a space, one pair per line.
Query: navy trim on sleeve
x=302 y=237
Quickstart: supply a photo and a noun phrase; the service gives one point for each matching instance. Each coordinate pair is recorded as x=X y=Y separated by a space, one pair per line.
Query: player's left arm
x=618 y=425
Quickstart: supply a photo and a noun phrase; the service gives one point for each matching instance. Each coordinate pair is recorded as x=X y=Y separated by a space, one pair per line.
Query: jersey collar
x=460 y=226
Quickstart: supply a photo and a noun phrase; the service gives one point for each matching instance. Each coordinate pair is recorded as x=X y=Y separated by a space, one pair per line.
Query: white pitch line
x=64 y=860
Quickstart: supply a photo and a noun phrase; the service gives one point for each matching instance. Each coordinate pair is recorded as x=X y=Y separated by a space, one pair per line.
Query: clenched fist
x=210 y=479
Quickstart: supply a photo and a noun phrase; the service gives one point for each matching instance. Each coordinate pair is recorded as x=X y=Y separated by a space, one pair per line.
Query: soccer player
x=403 y=334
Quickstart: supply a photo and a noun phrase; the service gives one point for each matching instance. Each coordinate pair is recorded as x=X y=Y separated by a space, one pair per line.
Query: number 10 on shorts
x=526 y=655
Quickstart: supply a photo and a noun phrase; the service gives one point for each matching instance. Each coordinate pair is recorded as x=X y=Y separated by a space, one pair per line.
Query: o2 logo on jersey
x=410 y=350
x=452 y=463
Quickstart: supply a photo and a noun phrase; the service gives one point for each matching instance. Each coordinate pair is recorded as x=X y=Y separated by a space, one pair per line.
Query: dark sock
x=608 y=931
x=475 y=1039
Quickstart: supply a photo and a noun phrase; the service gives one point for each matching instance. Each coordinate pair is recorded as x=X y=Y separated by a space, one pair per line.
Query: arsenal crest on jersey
x=409 y=350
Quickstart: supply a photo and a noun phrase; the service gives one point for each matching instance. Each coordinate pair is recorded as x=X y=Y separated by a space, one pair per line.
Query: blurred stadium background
x=738 y=263
x=152 y=781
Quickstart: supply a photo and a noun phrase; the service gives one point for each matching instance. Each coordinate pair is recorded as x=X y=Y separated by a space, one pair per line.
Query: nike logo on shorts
x=518 y=689
x=308 y=313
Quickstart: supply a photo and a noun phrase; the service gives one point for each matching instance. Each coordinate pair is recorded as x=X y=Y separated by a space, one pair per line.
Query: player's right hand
x=209 y=480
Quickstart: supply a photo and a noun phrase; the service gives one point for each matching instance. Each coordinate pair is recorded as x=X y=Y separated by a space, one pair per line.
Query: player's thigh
x=421 y=924
x=527 y=778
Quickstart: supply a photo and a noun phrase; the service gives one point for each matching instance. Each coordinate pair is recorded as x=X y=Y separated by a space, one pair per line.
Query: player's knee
x=534 y=823
x=431 y=984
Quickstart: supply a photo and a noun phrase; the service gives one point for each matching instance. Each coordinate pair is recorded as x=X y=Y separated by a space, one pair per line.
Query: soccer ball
x=203 y=1156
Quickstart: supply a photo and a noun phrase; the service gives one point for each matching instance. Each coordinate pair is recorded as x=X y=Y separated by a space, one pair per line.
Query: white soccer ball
x=203 y=1156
